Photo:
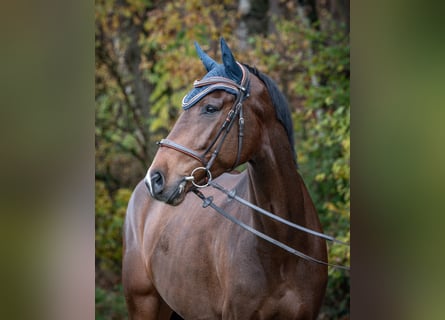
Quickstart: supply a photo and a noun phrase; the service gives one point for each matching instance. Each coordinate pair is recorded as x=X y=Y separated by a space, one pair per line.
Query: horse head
x=210 y=137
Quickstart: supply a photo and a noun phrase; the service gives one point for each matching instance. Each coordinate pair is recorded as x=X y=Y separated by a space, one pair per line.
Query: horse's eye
x=209 y=109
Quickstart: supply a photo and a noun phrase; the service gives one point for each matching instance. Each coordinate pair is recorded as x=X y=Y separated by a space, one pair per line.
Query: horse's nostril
x=157 y=182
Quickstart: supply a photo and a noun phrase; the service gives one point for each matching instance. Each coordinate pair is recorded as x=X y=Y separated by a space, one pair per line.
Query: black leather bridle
x=242 y=92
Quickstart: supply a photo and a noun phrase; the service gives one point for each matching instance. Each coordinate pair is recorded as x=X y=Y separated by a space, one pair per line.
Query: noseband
x=236 y=111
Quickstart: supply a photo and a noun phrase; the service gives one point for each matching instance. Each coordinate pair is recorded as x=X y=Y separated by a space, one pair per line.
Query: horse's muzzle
x=158 y=189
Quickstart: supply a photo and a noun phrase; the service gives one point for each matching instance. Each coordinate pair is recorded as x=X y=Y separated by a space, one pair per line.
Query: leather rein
x=208 y=202
x=236 y=111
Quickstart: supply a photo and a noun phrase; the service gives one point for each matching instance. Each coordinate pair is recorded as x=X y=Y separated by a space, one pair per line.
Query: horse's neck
x=276 y=186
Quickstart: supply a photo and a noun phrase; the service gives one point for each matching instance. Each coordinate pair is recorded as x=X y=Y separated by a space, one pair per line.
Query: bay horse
x=183 y=260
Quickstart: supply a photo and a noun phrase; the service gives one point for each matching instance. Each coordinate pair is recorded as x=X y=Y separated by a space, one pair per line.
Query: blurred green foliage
x=110 y=304
x=110 y=214
x=146 y=62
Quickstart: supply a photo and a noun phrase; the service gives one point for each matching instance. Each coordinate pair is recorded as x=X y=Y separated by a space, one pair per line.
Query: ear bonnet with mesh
x=230 y=70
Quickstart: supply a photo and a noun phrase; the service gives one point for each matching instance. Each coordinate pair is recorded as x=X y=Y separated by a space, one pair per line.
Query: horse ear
x=232 y=68
x=208 y=62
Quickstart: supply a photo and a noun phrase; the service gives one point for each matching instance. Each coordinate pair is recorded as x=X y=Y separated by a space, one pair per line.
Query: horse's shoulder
x=137 y=207
x=140 y=192
x=140 y=200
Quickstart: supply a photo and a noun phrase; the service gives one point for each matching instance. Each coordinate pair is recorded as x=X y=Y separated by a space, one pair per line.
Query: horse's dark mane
x=281 y=106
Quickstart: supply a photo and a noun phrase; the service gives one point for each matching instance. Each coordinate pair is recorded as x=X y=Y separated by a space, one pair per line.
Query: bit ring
x=192 y=177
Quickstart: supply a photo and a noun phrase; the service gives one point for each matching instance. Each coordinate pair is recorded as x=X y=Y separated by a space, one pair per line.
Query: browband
x=218 y=83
